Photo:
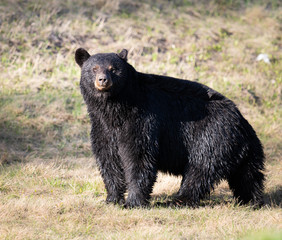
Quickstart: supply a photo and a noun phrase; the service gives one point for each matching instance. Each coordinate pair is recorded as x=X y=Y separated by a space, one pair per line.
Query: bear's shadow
x=271 y=199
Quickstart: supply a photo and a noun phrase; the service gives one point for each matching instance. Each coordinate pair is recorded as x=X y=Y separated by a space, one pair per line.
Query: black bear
x=145 y=123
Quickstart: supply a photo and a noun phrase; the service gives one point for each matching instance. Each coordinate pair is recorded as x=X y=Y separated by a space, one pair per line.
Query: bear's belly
x=172 y=163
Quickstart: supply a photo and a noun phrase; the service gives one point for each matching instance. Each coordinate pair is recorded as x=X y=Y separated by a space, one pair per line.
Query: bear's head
x=103 y=73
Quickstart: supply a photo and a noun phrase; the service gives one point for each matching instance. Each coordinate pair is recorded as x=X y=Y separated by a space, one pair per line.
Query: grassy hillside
x=50 y=187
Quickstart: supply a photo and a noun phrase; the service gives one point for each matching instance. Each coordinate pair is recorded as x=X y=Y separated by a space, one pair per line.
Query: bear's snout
x=103 y=81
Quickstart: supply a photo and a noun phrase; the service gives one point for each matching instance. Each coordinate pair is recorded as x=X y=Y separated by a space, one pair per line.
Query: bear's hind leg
x=195 y=185
x=247 y=184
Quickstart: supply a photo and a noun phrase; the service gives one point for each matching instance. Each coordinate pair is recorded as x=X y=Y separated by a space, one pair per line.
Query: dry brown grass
x=50 y=187
x=64 y=199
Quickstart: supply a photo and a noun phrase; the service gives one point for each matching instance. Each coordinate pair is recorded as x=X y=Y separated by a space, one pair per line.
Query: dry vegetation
x=49 y=185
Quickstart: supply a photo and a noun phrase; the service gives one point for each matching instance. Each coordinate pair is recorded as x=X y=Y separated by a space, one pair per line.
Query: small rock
x=263 y=57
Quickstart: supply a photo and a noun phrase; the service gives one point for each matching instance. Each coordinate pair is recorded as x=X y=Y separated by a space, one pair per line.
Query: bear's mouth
x=105 y=88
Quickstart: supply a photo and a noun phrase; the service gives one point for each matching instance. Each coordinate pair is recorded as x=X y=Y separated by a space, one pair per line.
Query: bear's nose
x=103 y=81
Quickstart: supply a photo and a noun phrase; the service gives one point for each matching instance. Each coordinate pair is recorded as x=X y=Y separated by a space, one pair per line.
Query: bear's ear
x=123 y=54
x=81 y=55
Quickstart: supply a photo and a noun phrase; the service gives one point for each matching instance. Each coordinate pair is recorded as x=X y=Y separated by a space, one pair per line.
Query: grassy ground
x=49 y=184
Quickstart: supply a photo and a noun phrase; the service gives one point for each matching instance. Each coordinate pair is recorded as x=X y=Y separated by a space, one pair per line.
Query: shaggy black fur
x=144 y=123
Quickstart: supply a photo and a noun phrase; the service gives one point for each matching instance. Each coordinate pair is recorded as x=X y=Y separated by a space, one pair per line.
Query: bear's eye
x=112 y=69
x=95 y=69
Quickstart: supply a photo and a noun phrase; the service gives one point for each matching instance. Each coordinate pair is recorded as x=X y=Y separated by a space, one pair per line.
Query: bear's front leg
x=140 y=185
x=109 y=165
x=140 y=173
x=113 y=178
